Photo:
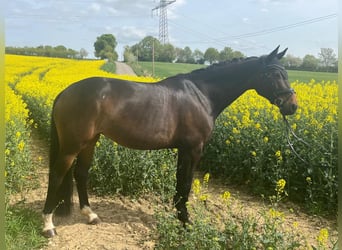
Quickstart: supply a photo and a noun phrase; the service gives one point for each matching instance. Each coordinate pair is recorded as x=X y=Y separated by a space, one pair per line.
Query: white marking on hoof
x=48 y=229
x=92 y=217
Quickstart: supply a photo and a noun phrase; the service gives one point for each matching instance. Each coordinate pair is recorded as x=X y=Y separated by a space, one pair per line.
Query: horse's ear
x=273 y=54
x=281 y=54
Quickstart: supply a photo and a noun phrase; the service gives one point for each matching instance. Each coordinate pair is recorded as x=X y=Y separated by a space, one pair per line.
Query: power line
x=280 y=28
x=221 y=40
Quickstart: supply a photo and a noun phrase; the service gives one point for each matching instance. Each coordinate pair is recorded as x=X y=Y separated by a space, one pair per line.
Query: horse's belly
x=141 y=136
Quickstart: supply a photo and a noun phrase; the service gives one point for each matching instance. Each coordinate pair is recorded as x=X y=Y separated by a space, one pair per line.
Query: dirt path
x=124 y=69
x=128 y=224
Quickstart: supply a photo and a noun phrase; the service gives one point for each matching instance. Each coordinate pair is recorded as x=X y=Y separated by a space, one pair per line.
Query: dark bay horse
x=178 y=112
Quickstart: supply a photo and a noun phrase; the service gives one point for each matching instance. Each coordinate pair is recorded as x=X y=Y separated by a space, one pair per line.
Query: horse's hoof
x=49 y=233
x=95 y=221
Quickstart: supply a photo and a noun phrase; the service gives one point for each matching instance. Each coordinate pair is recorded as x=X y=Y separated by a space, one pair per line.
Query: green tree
x=310 y=62
x=211 y=55
x=105 y=47
x=129 y=55
x=143 y=50
x=185 y=55
x=226 y=54
x=166 y=53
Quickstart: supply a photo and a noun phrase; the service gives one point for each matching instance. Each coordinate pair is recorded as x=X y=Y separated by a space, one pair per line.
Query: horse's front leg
x=188 y=159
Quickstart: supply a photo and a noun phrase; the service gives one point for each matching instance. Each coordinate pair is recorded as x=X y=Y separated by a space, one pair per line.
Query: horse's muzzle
x=288 y=109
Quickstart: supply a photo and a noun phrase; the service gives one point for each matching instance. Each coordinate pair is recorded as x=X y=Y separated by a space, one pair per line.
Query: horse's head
x=272 y=83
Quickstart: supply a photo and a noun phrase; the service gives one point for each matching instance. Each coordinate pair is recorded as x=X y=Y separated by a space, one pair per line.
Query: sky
x=254 y=27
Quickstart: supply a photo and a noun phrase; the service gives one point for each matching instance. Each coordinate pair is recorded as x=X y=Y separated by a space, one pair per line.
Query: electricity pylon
x=163 y=26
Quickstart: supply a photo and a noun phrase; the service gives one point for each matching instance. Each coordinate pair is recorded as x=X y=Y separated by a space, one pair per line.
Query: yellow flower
x=226 y=196
x=196 y=186
x=280 y=186
x=253 y=153
x=18 y=134
x=278 y=155
x=206 y=178
x=275 y=214
x=7 y=151
x=21 y=145
x=203 y=197
x=265 y=139
x=236 y=131
x=323 y=237
x=308 y=180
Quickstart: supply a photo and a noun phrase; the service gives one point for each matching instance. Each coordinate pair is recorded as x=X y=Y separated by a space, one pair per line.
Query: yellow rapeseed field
x=248 y=144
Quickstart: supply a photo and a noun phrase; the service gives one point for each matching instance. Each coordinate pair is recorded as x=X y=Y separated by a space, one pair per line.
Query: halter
x=279 y=93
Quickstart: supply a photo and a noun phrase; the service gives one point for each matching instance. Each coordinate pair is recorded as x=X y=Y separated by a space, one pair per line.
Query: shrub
x=224 y=224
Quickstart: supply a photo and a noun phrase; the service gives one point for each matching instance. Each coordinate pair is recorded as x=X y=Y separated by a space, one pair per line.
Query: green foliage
x=19 y=170
x=117 y=169
x=211 y=55
x=23 y=229
x=109 y=67
x=47 y=50
x=226 y=229
x=150 y=47
x=105 y=47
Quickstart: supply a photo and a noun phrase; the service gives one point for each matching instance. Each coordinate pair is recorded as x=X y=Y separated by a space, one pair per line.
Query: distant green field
x=163 y=70
x=306 y=76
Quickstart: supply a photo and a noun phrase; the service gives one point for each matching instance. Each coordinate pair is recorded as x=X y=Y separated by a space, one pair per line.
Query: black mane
x=226 y=63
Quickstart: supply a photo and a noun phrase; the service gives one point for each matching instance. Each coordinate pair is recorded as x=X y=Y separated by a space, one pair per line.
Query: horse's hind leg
x=83 y=163
x=57 y=173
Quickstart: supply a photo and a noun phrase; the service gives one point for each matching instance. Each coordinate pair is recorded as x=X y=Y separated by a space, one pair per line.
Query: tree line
x=150 y=48
x=168 y=53
x=48 y=51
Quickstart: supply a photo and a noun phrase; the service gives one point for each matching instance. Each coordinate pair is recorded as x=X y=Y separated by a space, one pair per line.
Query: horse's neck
x=225 y=87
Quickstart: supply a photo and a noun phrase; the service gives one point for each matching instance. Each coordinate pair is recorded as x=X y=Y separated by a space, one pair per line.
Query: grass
x=306 y=76
x=163 y=70
x=109 y=67
x=23 y=229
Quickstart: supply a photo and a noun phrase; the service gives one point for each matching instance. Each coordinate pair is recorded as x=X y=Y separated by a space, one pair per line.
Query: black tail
x=65 y=191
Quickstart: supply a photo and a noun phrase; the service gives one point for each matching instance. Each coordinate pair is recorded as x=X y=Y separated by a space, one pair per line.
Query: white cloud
x=132 y=32
x=95 y=7
x=245 y=20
